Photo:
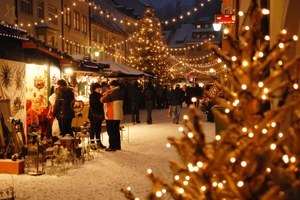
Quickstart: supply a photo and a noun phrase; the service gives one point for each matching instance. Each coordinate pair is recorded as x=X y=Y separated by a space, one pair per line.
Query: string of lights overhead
x=105 y=13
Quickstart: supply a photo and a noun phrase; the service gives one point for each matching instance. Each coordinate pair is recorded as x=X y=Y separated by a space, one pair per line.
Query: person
x=32 y=119
x=112 y=100
x=63 y=109
x=134 y=95
x=96 y=115
x=149 y=94
x=176 y=99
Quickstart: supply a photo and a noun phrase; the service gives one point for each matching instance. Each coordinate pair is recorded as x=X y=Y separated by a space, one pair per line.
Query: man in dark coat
x=63 y=107
x=96 y=115
x=176 y=99
x=149 y=95
x=134 y=96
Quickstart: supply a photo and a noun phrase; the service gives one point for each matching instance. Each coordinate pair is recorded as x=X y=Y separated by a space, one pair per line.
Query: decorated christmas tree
x=149 y=51
x=257 y=155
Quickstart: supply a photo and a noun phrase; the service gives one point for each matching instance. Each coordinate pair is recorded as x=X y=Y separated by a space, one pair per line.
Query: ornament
x=39 y=82
x=5 y=75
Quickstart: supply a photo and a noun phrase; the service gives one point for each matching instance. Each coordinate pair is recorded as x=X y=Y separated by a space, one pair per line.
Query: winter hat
x=114 y=83
x=94 y=86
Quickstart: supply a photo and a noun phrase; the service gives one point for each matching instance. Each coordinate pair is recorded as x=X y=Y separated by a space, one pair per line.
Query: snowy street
x=104 y=176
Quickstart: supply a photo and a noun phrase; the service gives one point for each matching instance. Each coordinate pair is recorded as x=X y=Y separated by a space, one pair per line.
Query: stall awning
x=119 y=70
x=33 y=45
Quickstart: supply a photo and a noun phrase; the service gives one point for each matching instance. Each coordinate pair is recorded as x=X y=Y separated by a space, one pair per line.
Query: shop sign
x=225 y=18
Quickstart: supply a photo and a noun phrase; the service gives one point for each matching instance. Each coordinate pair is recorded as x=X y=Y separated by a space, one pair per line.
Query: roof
x=119 y=70
x=184 y=35
x=134 y=8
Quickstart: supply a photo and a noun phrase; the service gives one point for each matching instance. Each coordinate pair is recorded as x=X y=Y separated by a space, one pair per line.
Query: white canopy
x=116 y=69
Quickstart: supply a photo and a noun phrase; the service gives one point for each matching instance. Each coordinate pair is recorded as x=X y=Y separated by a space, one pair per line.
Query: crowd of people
x=109 y=101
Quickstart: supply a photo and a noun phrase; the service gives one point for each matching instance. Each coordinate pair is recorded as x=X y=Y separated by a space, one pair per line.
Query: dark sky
x=167 y=9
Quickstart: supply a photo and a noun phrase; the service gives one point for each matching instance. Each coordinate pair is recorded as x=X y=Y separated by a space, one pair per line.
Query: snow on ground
x=104 y=176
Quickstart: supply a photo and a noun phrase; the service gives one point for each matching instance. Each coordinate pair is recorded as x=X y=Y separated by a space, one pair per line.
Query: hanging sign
x=225 y=18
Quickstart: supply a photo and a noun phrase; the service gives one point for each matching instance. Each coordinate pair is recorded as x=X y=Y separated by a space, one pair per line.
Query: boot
x=101 y=146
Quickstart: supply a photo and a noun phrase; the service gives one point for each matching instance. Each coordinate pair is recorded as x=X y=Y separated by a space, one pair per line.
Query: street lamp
x=217 y=26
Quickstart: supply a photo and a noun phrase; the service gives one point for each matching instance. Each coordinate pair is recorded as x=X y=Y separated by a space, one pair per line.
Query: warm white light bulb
x=285 y=158
x=180 y=129
x=177 y=177
x=218 y=137
x=243 y=163
x=149 y=171
x=158 y=194
x=251 y=135
x=244 y=87
x=241 y=13
x=273 y=146
x=265 y=11
x=226 y=31
x=280 y=135
x=281 y=45
x=232 y=160
x=295 y=86
x=227 y=110
x=264 y=131
x=245 y=63
x=273 y=124
x=293 y=159
x=190 y=135
x=268 y=169
x=168 y=145
x=267 y=37
x=260 y=84
x=244 y=129
x=203 y=188
x=233 y=58
x=240 y=184
x=283 y=31
x=200 y=164
x=295 y=38
x=261 y=54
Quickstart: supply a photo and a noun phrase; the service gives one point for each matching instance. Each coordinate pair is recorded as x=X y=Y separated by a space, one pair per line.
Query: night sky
x=166 y=9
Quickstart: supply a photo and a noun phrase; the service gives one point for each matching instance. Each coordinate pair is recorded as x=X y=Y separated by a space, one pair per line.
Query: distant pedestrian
x=176 y=99
x=149 y=95
x=112 y=100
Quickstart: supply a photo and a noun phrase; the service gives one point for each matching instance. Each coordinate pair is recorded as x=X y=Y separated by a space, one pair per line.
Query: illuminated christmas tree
x=257 y=155
x=149 y=51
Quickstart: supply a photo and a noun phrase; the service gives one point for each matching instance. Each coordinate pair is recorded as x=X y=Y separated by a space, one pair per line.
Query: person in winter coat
x=149 y=94
x=112 y=100
x=134 y=96
x=96 y=115
x=176 y=99
x=63 y=107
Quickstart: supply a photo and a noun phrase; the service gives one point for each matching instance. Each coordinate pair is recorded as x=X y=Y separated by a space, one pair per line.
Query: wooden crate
x=7 y=166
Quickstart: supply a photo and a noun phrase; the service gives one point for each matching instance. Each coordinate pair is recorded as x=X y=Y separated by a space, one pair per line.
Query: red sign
x=225 y=18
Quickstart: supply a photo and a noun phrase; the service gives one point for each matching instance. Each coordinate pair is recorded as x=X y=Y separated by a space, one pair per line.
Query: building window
x=40 y=9
x=27 y=6
x=67 y=16
x=84 y=24
x=68 y=48
x=76 y=21
x=76 y=48
x=206 y=25
x=52 y=14
x=198 y=26
x=51 y=40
